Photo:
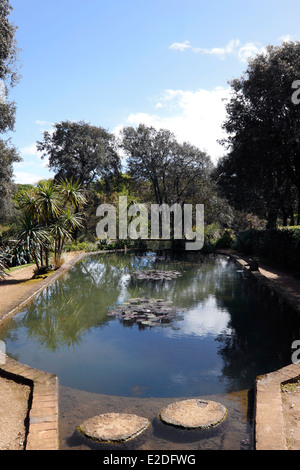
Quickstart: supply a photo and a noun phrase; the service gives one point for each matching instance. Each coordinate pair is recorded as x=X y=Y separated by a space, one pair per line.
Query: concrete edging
x=42 y=419
x=269 y=418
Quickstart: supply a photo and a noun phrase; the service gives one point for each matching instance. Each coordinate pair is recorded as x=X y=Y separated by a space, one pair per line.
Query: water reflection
x=229 y=332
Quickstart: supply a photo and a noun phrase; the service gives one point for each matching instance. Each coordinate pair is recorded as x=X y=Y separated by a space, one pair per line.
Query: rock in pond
x=114 y=427
x=156 y=275
x=147 y=312
x=194 y=414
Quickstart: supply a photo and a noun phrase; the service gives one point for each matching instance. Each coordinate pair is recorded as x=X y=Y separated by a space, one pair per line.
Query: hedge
x=281 y=245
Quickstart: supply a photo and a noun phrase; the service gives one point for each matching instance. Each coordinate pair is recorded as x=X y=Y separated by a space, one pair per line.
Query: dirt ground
x=14 y=397
x=13 y=413
x=291 y=413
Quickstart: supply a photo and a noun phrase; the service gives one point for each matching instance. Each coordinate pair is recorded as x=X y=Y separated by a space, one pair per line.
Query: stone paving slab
x=43 y=412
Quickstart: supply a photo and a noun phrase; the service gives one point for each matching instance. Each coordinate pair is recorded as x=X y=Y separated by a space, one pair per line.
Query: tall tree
x=80 y=152
x=8 y=78
x=263 y=140
x=8 y=156
x=149 y=154
x=178 y=173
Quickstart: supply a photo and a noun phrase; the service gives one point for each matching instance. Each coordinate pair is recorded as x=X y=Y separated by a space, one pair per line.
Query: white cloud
x=23 y=177
x=29 y=150
x=180 y=46
x=194 y=116
x=220 y=52
x=288 y=38
x=248 y=51
x=234 y=48
x=43 y=123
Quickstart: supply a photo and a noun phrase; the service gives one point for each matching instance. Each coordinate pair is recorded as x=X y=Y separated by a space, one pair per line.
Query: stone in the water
x=194 y=414
x=114 y=427
x=156 y=275
x=147 y=312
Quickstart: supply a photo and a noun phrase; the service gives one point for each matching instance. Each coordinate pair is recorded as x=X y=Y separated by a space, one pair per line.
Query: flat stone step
x=194 y=414
x=114 y=427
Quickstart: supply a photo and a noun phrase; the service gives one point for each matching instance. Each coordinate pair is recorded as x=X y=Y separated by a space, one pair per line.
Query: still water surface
x=228 y=334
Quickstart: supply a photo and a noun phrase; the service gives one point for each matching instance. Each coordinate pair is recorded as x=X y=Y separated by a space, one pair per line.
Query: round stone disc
x=113 y=427
x=194 y=414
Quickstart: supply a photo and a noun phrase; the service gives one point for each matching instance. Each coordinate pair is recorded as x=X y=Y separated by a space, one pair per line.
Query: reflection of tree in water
x=201 y=275
x=81 y=299
x=72 y=305
x=262 y=331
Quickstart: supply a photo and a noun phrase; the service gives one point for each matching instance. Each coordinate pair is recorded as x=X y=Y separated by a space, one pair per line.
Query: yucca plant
x=31 y=238
x=62 y=231
x=3 y=265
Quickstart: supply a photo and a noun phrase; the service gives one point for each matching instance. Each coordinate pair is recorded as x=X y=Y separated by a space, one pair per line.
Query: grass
x=15 y=268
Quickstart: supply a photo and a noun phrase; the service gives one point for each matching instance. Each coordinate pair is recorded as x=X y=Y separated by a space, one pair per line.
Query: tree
x=8 y=78
x=178 y=173
x=8 y=156
x=149 y=153
x=174 y=170
x=49 y=219
x=79 y=151
x=8 y=66
x=263 y=161
x=188 y=175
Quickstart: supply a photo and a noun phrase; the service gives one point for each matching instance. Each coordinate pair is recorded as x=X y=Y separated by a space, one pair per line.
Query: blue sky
x=112 y=63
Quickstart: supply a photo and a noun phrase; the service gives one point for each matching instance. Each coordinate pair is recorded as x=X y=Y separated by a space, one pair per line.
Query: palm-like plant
x=62 y=230
x=48 y=200
x=3 y=265
x=31 y=238
x=51 y=216
x=72 y=192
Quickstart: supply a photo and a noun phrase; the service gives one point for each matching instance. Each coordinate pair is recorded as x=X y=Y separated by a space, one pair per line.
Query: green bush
x=81 y=246
x=281 y=246
x=227 y=240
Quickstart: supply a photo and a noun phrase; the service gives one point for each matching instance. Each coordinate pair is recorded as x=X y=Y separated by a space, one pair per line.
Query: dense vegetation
x=251 y=197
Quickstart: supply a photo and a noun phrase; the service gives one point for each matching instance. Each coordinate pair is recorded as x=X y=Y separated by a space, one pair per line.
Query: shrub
x=281 y=246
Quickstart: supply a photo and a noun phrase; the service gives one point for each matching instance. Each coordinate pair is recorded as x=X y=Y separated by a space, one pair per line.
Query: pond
x=226 y=331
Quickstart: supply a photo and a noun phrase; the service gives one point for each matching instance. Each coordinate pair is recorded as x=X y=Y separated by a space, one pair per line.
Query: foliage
x=261 y=171
x=3 y=264
x=8 y=78
x=156 y=156
x=280 y=247
x=50 y=217
x=80 y=152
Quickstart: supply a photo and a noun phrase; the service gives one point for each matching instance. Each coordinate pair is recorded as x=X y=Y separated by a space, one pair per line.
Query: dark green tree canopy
x=175 y=170
x=263 y=127
x=8 y=78
x=81 y=152
x=8 y=66
x=8 y=156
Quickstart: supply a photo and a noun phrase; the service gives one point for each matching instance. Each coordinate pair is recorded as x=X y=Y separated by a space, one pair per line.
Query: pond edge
x=269 y=427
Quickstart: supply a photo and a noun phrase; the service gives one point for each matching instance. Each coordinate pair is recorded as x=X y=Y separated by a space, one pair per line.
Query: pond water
x=228 y=331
